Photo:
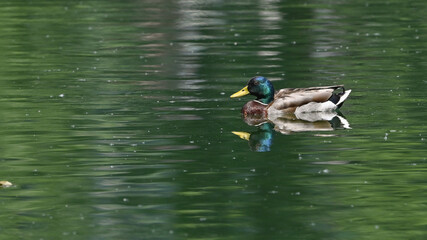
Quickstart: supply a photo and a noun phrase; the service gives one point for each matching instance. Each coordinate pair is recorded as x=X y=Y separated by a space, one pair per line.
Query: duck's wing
x=289 y=98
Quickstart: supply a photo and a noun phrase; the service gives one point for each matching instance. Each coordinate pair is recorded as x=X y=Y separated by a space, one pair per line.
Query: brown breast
x=254 y=108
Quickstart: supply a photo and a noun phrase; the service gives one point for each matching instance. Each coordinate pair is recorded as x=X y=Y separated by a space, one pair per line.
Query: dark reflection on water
x=116 y=122
x=262 y=139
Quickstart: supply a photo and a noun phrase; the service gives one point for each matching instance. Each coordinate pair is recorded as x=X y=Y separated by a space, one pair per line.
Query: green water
x=116 y=120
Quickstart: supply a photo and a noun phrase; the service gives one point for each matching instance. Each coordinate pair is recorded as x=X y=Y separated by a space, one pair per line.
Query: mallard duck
x=289 y=100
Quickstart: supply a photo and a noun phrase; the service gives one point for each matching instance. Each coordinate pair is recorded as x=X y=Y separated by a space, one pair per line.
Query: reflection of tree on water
x=262 y=139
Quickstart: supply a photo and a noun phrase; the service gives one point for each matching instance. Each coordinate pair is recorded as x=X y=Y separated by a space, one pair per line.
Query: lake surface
x=116 y=120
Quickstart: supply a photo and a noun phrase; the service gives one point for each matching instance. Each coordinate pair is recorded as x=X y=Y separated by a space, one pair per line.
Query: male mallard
x=289 y=100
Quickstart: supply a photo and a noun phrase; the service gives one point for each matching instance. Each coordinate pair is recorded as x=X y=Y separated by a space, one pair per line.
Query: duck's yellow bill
x=241 y=93
x=243 y=135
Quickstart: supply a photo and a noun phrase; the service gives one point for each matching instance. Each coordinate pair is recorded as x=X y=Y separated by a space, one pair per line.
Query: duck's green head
x=260 y=87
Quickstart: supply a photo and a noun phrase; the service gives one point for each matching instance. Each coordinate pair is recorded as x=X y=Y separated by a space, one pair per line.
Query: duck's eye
x=256 y=83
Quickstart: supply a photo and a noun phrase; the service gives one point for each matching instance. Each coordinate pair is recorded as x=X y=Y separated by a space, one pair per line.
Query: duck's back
x=288 y=99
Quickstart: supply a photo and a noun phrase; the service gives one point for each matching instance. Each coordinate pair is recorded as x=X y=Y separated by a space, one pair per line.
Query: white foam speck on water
x=325 y=171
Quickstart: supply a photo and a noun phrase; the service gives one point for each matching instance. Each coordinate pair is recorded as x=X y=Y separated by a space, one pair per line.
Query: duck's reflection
x=262 y=139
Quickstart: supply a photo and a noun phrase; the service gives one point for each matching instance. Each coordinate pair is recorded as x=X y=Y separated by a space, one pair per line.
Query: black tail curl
x=335 y=98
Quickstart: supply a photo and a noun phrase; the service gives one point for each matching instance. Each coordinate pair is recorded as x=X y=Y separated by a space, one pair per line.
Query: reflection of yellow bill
x=244 y=91
x=242 y=135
